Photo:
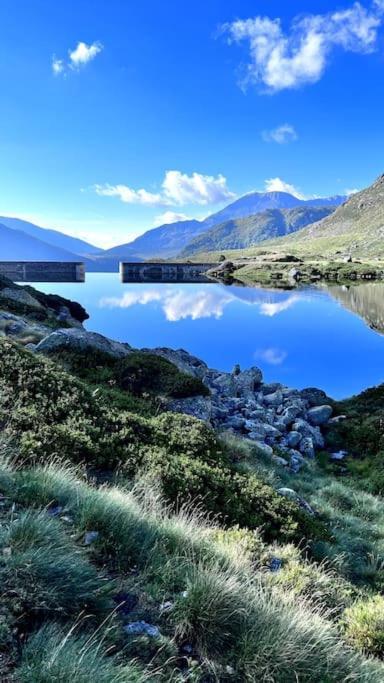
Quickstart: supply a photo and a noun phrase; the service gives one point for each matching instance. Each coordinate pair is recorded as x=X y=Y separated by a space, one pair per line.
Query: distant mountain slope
x=256 y=202
x=53 y=237
x=162 y=242
x=167 y=241
x=246 y=232
x=356 y=228
x=16 y=245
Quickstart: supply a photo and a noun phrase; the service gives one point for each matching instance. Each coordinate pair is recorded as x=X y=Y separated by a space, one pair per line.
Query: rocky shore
x=283 y=423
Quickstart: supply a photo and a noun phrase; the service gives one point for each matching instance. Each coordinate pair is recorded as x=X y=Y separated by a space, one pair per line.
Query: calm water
x=332 y=337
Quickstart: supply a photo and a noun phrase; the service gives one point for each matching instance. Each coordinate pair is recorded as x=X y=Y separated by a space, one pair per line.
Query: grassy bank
x=114 y=514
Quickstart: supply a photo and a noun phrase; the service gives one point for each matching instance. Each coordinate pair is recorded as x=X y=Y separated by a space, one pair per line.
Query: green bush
x=364 y=625
x=145 y=372
x=49 y=413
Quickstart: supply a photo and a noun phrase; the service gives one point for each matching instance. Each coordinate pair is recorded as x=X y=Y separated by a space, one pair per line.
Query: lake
x=328 y=337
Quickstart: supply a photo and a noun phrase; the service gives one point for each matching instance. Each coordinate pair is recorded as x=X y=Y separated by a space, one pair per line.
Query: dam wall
x=165 y=272
x=43 y=271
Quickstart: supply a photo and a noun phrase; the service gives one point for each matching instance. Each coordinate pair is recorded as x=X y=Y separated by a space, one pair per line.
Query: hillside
x=356 y=228
x=16 y=245
x=52 y=237
x=162 y=242
x=243 y=233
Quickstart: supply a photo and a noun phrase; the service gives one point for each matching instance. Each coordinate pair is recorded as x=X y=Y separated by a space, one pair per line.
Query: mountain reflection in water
x=366 y=300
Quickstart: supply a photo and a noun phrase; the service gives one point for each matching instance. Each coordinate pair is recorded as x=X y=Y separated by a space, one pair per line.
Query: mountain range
x=253 y=217
x=242 y=233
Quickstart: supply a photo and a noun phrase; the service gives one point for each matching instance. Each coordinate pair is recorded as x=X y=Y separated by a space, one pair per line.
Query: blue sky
x=116 y=114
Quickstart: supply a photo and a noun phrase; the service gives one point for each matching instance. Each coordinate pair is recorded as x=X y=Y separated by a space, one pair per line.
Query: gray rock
x=197 y=406
x=335 y=420
x=278 y=460
x=271 y=388
x=247 y=381
x=313 y=396
x=339 y=455
x=275 y=564
x=297 y=462
x=294 y=497
x=306 y=447
x=234 y=422
x=274 y=399
x=319 y=415
x=21 y=296
x=81 y=340
x=91 y=537
x=141 y=628
x=293 y=439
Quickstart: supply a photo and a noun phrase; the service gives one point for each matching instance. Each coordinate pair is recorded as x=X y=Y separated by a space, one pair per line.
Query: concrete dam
x=165 y=272
x=43 y=271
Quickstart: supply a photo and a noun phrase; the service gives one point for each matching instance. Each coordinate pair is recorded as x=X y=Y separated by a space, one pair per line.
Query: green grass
x=53 y=655
x=222 y=605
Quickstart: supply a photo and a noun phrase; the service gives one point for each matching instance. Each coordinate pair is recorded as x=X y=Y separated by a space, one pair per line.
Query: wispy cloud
x=274 y=308
x=272 y=356
x=169 y=217
x=79 y=57
x=281 y=60
x=177 y=189
x=279 y=185
x=282 y=134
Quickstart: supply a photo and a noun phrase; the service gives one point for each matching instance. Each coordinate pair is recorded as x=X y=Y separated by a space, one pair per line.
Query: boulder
x=75 y=339
x=313 y=396
x=141 y=628
x=247 y=381
x=293 y=439
x=293 y=496
x=319 y=415
x=274 y=399
x=197 y=406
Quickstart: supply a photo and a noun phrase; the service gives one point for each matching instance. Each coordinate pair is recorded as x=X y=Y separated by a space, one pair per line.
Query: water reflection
x=305 y=337
x=366 y=300
x=178 y=304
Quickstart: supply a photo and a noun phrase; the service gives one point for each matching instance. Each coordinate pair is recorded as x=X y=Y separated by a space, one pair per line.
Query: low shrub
x=364 y=625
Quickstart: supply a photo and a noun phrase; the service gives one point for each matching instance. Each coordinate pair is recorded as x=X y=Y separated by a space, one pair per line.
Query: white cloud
x=279 y=185
x=77 y=58
x=280 y=60
x=271 y=309
x=354 y=190
x=281 y=134
x=58 y=66
x=129 y=196
x=178 y=189
x=273 y=356
x=84 y=53
x=169 y=217
x=176 y=304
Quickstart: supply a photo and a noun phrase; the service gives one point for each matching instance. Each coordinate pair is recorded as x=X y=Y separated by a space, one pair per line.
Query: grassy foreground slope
x=123 y=581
